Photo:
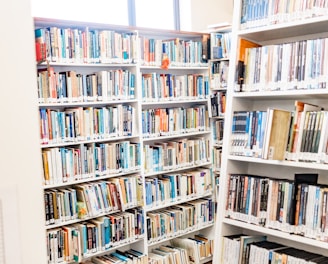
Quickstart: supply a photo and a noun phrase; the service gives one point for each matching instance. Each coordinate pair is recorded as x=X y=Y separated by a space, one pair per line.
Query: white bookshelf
x=307 y=28
x=198 y=133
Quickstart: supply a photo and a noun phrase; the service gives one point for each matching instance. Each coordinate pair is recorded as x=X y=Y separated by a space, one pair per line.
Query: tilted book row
x=69 y=164
x=292 y=206
x=257 y=249
x=174 y=121
x=78 y=124
x=287 y=66
x=83 y=240
x=198 y=247
x=179 y=219
x=158 y=86
x=168 y=188
x=166 y=254
x=129 y=256
x=87 y=45
x=92 y=199
x=72 y=86
x=182 y=251
x=175 y=154
x=179 y=51
x=299 y=135
x=256 y=13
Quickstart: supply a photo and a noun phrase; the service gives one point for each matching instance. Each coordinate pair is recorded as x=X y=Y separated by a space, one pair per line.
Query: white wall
x=20 y=161
x=209 y=12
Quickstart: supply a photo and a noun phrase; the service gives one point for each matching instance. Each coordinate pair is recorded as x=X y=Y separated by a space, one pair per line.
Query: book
x=243 y=45
x=245 y=241
x=276 y=133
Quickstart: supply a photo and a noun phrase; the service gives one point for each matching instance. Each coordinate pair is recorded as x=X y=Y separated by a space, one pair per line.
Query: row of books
x=69 y=164
x=166 y=254
x=174 y=121
x=71 y=86
x=58 y=44
x=86 y=123
x=181 y=153
x=220 y=45
x=105 y=46
x=217 y=131
x=198 y=247
x=217 y=158
x=129 y=256
x=180 y=52
x=299 y=135
x=256 y=13
x=179 y=219
x=73 y=243
x=92 y=199
x=249 y=249
x=292 y=206
x=288 y=66
x=159 y=86
x=168 y=188
x=219 y=72
x=218 y=104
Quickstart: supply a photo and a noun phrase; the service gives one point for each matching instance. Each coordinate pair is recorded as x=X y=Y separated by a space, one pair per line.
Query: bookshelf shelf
x=180 y=169
x=93 y=178
x=176 y=135
x=278 y=234
x=174 y=102
x=295 y=164
x=71 y=143
x=278 y=95
x=178 y=201
x=179 y=234
x=61 y=105
x=315 y=26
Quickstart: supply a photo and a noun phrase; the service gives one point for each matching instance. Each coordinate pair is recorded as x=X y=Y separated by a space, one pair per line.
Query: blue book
x=132 y=85
x=121 y=257
x=173 y=188
x=83 y=237
x=104 y=194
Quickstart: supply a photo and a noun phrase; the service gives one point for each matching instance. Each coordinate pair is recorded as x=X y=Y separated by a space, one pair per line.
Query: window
x=161 y=14
x=155 y=14
x=100 y=11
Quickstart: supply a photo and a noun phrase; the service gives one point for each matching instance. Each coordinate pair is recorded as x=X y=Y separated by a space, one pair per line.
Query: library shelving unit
x=125 y=140
x=296 y=78
x=176 y=141
x=218 y=82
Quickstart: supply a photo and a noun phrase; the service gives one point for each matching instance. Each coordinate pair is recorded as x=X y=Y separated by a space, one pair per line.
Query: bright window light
x=98 y=11
x=154 y=14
